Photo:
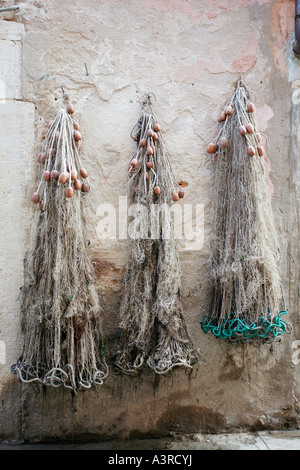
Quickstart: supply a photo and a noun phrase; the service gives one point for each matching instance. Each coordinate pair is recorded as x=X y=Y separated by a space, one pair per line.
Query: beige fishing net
x=61 y=314
x=247 y=297
x=154 y=333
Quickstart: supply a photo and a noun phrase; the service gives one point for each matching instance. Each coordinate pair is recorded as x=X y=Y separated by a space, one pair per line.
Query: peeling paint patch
x=263 y=115
x=248 y=54
x=175 y=5
x=281 y=27
x=283 y=18
x=243 y=63
x=211 y=14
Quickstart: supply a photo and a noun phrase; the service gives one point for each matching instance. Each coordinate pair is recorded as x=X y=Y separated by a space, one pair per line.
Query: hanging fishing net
x=61 y=315
x=247 y=300
x=151 y=320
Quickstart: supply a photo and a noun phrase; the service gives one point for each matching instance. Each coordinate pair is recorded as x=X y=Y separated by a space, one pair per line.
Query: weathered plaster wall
x=189 y=53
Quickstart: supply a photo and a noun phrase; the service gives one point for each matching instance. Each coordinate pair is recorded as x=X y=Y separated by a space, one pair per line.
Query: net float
x=41 y=157
x=77 y=184
x=83 y=172
x=134 y=162
x=74 y=174
x=250 y=128
x=54 y=175
x=35 y=197
x=260 y=151
x=70 y=108
x=242 y=130
x=77 y=135
x=85 y=188
x=63 y=177
x=150 y=133
x=224 y=142
x=47 y=175
x=251 y=151
x=212 y=148
x=150 y=151
x=69 y=192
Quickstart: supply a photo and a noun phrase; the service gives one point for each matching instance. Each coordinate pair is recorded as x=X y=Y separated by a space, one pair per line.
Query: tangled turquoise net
x=232 y=328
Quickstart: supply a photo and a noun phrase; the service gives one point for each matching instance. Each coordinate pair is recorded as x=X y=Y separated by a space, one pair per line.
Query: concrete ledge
x=266 y=440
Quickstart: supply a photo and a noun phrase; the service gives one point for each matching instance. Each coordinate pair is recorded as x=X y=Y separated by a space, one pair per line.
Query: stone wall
x=189 y=53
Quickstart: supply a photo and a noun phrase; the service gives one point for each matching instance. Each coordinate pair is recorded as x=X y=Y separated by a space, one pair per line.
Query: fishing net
x=151 y=320
x=61 y=315
x=247 y=298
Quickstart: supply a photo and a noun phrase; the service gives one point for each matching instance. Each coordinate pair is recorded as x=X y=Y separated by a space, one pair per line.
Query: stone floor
x=266 y=440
